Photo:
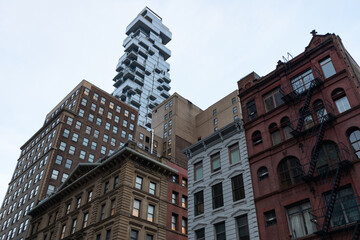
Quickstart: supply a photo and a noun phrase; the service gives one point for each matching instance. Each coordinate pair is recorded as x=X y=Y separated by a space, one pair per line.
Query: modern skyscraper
x=86 y=125
x=143 y=73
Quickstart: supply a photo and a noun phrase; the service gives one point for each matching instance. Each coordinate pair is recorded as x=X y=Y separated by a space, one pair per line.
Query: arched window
x=256 y=138
x=275 y=134
x=289 y=171
x=328 y=156
x=354 y=138
x=262 y=173
x=285 y=125
x=320 y=110
x=340 y=99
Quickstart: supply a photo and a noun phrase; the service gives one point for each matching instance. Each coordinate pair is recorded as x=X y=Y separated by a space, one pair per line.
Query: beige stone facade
x=106 y=200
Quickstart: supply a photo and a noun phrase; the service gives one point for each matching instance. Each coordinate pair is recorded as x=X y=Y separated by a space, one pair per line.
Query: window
x=220 y=232
x=78 y=202
x=234 y=110
x=150 y=215
x=78 y=125
x=85 y=142
x=131 y=127
x=256 y=138
x=275 y=134
x=106 y=187
x=199 y=203
x=174 y=218
x=72 y=150
x=308 y=122
x=215 y=162
x=174 y=197
x=302 y=82
x=184 y=182
x=85 y=220
x=55 y=174
x=198 y=171
x=64 y=177
x=285 y=125
x=214 y=112
x=299 y=218
x=112 y=207
x=81 y=112
x=200 y=234
x=108 y=234
x=320 y=110
x=184 y=201
x=327 y=67
x=86 y=91
x=251 y=110
x=69 y=121
x=289 y=172
x=82 y=154
x=103 y=150
x=58 y=159
x=102 y=212
x=138 y=183
x=91 y=118
x=217 y=196
x=237 y=184
x=262 y=173
x=340 y=99
x=115 y=130
x=116 y=119
x=63 y=230
x=272 y=99
x=109 y=115
x=215 y=121
x=66 y=133
x=103 y=100
x=354 y=138
x=116 y=182
x=68 y=163
x=68 y=208
x=270 y=218
x=136 y=208
x=89 y=196
x=73 y=226
x=184 y=226
x=75 y=137
x=62 y=146
x=242 y=227
x=96 y=96
x=345 y=208
x=134 y=234
x=98 y=237
x=98 y=121
x=152 y=188
x=91 y=158
x=123 y=134
x=50 y=190
x=93 y=145
x=175 y=179
x=96 y=133
x=170 y=114
x=234 y=153
x=132 y=117
x=126 y=113
x=93 y=106
x=118 y=109
x=149 y=237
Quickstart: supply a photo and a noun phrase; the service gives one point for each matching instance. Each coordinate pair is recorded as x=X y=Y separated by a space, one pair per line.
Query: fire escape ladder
x=305 y=108
x=331 y=202
x=356 y=231
x=316 y=150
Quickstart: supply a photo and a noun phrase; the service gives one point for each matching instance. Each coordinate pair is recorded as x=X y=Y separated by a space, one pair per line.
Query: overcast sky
x=48 y=47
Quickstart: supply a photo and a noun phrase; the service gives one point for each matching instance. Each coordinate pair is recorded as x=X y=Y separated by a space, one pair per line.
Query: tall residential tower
x=143 y=73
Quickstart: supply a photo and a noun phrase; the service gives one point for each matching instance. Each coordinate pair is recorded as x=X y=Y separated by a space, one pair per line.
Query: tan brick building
x=122 y=196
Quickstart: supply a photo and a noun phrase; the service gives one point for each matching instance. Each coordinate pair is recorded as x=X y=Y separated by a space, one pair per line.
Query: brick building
x=86 y=125
x=302 y=125
x=122 y=196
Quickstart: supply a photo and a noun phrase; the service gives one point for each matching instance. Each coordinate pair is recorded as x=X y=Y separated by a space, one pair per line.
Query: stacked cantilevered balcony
x=143 y=79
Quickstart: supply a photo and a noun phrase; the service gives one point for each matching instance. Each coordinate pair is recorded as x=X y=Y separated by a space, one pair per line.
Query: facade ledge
x=217 y=210
x=234 y=165
x=197 y=218
x=239 y=203
x=214 y=174
x=198 y=181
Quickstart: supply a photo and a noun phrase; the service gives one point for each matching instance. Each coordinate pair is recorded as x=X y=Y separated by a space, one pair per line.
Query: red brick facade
x=301 y=122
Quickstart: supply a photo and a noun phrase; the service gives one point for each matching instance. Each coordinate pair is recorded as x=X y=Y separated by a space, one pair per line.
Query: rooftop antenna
x=287 y=58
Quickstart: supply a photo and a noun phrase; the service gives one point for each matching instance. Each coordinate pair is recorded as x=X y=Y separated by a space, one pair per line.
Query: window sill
x=235 y=165
x=198 y=181
x=218 y=172
x=201 y=216
x=217 y=210
x=239 y=202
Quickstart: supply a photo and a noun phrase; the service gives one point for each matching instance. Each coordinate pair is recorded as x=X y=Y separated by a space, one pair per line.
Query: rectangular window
x=342 y=104
x=149 y=237
x=184 y=201
x=72 y=150
x=78 y=125
x=184 y=182
x=234 y=153
x=136 y=208
x=115 y=130
x=103 y=150
x=96 y=133
x=139 y=181
x=85 y=142
x=68 y=163
x=198 y=171
x=75 y=137
x=89 y=196
x=112 y=207
x=116 y=182
x=102 y=212
x=174 y=218
x=58 y=159
x=152 y=188
x=93 y=145
x=215 y=162
x=78 y=202
x=174 y=197
x=73 y=226
x=69 y=121
x=126 y=113
x=98 y=121
x=273 y=99
x=66 y=133
x=299 y=219
x=62 y=146
x=302 y=82
x=91 y=118
x=150 y=215
x=109 y=115
x=63 y=230
x=81 y=112
x=55 y=174
x=220 y=232
x=64 y=177
x=184 y=226
x=88 y=130
x=242 y=227
x=91 y=158
x=96 y=96
x=200 y=234
x=217 y=196
x=106 y=187
x=199 y=203
x=103 y=100
x=345 y=209
x=327 y=67
x=108 y=234
x=85 y=219
x=82 y=154
x=237 y=184
x=93 y=106
x=134 y=235
x=270 y=218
